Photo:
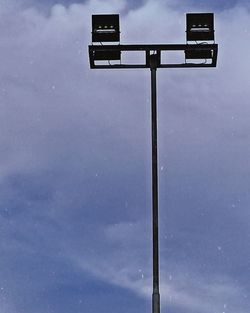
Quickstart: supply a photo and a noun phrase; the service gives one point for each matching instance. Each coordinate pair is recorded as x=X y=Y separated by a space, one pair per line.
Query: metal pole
x=156 y=289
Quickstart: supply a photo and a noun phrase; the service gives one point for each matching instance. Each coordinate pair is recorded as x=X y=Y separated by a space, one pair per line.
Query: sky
x=75 y=163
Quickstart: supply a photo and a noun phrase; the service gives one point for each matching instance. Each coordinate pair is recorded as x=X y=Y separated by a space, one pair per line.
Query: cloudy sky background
x=75 y=205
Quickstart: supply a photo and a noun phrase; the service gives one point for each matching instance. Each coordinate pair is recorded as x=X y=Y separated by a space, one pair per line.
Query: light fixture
x=200 y=26
x=107 y=55
x=198 y=54
x=105 y=28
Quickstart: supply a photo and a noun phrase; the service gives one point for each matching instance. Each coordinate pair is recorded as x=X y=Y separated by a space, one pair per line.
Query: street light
x=200 y=26
x=106 y=55
x=198 y=54
x=105 y=28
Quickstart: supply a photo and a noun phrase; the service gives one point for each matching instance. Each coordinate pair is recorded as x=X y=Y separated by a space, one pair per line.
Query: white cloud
x=186 y=289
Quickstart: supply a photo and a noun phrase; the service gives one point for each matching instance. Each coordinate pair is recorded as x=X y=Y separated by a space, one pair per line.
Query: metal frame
x=150 y=49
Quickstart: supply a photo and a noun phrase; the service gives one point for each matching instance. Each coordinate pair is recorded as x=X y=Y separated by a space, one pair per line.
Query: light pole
x=156 y=287
x=198 y=46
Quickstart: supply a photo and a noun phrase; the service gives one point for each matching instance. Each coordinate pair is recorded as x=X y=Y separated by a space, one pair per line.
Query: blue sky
x=75 y=205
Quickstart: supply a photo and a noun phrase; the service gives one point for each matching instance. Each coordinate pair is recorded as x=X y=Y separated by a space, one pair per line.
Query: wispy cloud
x=127 y=265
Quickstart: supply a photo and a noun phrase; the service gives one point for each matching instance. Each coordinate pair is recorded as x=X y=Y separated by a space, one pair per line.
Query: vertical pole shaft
x=156 y=289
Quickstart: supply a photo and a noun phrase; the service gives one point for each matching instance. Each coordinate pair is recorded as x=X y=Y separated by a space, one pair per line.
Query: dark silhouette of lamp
x=198 y=54
x=200 y=27
x=106 y=28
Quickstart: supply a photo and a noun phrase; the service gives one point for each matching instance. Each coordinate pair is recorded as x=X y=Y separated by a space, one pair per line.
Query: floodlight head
x=105 y=28
x=106 y=55
x=198 y=54
x=200 y=26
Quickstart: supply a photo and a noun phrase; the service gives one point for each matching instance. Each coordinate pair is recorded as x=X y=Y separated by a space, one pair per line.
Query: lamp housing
x=106 y=55
x=198 y=54
x=200 y=26
x=105 y=28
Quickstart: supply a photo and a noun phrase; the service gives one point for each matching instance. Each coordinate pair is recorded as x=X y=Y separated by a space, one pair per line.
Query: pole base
x=155 y=303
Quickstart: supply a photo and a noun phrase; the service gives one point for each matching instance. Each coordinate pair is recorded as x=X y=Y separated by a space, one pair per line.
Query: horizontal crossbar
x=150 y=48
